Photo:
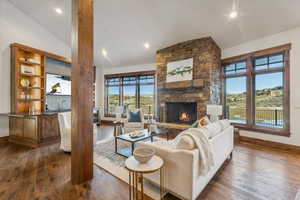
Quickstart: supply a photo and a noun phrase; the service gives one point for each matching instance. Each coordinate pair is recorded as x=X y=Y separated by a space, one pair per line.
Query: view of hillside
x=130 y=101
x=268 y=106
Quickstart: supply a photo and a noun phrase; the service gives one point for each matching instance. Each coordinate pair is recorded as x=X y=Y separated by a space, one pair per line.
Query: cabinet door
x=16 y=126
x=49 y=127
x=30 y=128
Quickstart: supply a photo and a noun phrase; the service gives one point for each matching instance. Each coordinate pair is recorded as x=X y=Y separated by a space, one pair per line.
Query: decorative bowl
x=143 y=155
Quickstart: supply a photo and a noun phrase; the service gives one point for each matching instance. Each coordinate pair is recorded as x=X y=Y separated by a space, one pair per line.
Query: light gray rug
x=298 y=195
x=106 y=148
x=105 y=158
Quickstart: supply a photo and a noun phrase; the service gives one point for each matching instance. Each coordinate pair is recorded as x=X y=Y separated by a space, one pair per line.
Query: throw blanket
x=206 y=161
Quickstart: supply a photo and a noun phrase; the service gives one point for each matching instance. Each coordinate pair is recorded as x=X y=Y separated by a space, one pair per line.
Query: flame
x=184 y=117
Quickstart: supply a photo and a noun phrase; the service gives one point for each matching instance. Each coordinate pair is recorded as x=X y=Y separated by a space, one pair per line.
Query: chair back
x=64 y=120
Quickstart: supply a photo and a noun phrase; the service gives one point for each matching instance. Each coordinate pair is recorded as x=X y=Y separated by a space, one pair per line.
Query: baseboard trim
x=274 y=145
x=4 y=139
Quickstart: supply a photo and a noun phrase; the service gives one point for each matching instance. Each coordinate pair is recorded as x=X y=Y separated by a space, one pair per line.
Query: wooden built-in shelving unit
x=29 y=124
x=27 y=98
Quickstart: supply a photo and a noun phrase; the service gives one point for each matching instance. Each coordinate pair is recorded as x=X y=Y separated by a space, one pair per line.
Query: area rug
x=106 y=158
x=298 y=195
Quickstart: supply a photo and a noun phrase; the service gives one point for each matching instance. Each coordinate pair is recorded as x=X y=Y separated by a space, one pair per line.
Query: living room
x=134 y=102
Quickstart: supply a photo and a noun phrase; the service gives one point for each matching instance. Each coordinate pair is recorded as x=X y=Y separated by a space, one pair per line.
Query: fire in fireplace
x=184 y=116
x=181 y=112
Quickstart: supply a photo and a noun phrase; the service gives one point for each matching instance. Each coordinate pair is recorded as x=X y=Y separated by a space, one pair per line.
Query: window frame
x=137 y=84
x=250 y=74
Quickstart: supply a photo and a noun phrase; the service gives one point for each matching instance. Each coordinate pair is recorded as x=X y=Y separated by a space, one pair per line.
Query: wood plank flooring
x=255 y=172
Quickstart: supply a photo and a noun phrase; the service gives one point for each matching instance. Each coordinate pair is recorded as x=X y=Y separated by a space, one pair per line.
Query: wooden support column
x=82 y=91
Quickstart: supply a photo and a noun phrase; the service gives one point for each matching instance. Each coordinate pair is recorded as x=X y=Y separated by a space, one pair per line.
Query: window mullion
x=250 y=92
x=286 y=91
x=121 y=102
x=137 y=96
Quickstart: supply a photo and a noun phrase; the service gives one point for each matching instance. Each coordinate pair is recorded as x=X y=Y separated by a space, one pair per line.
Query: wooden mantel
x=82 y=91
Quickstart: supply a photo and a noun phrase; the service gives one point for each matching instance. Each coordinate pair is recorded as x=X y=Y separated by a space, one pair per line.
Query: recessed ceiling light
x=104 y=52
x=58 y=11
x=147 y=45
x=233 y=14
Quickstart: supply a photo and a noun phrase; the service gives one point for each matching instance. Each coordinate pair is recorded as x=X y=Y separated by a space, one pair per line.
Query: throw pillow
x=186 y=142
x=213 y=128
x=134 y=116
x=225 y=123
x=203 y=122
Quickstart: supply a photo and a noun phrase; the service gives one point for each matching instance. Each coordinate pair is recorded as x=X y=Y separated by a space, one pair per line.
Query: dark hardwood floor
x=255 y=172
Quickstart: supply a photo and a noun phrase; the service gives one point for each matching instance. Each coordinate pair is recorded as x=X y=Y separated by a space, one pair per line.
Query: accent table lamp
x=214 y=111
x=119 y=111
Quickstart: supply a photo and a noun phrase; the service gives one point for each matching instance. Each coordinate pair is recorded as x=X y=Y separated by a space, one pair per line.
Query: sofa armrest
x=178 y=166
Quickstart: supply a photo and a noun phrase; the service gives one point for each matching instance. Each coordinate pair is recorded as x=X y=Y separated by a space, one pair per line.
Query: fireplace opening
x=181 y=112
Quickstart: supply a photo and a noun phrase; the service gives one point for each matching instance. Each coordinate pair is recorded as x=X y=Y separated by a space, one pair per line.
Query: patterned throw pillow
x=203 y=122
x=134 y=116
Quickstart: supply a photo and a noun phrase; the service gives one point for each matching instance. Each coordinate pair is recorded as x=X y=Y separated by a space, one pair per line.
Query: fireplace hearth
x=181 y=112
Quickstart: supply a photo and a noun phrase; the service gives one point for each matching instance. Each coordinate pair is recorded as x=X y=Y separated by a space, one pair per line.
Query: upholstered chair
x=131 y=124
x=64 y=120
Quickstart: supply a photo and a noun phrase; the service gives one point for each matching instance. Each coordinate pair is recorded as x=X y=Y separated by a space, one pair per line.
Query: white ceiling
x=122 y=26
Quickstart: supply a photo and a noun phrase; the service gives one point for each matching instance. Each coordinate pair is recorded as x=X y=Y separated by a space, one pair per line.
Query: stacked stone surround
x=205 y=88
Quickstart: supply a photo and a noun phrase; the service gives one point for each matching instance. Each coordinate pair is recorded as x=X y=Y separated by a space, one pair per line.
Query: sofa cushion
x=134 y=116
x=186 y=142
x=203 y=122
x=213 y=129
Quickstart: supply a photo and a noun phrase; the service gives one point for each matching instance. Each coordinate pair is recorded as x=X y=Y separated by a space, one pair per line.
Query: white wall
x=116 y=70
x=18 y=27
x=291 y=36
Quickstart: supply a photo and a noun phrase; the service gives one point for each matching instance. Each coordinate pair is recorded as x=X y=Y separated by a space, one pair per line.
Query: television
x=58 y=85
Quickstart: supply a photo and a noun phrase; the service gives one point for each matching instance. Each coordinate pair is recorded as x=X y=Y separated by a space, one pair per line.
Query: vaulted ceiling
x=123 y=26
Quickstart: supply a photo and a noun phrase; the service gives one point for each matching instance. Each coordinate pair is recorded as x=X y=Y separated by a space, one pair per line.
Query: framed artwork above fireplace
x=180 y=70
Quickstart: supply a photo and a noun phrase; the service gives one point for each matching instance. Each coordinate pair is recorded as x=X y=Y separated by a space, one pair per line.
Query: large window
x=256 y=90
x=236 y=99
x=131 y=91
x=113 y=94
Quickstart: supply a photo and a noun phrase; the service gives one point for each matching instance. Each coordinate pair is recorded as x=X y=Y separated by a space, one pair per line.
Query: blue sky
x=238 y=85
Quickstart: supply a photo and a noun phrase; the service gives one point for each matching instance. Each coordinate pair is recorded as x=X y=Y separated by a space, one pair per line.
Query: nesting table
x=136 y=176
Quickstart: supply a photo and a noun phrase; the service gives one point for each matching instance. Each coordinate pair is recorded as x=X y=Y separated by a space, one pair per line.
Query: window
x=269 y=99
x=147 y=94
x=113 y=93
x=130 y=90
x=256 y=90
x=236 y=99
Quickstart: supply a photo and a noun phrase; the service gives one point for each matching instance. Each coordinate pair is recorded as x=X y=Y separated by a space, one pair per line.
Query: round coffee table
x=136 y=175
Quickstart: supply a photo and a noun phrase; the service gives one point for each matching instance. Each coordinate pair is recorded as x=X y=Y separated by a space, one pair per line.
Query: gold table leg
x=162 y=182
x=142 y=186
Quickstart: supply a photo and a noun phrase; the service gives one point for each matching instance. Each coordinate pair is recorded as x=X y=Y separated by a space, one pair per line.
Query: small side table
x=117 y=128
x=136 y=175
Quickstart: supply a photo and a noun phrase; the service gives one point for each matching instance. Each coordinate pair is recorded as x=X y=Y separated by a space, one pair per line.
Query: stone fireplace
x=203 y=89
x=181 y=112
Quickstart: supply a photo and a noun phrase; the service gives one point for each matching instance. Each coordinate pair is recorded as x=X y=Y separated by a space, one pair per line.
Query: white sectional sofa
x=182 y=166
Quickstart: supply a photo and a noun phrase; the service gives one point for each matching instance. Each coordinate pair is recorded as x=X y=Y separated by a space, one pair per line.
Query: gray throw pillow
x=134 y=116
